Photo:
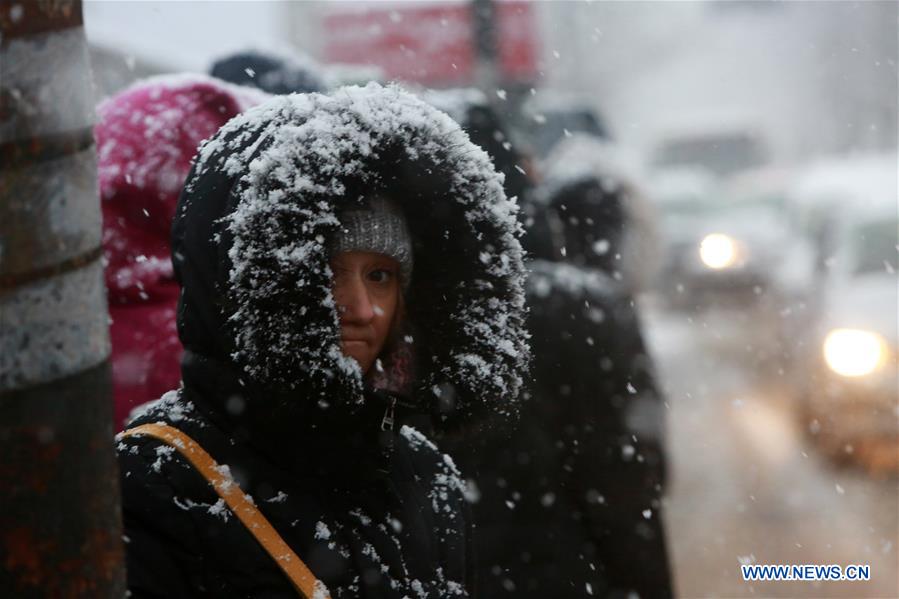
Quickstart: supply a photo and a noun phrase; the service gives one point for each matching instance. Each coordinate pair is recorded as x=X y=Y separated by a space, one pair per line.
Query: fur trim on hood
x=250 y=248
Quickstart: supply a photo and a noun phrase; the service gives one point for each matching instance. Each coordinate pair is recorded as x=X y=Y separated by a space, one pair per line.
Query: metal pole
x=60 y=523
x=483 y=19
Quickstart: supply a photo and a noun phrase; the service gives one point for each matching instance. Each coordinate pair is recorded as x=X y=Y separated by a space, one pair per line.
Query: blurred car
x=848 y=374
x=683 y=196
x=784 y=258
x=829 y=190
x=722 y=247
x=721 y=145
x=824 y=197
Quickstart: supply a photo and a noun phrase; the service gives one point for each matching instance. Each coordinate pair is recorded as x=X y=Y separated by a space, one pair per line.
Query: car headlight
x=719 y=251
x=854 y=352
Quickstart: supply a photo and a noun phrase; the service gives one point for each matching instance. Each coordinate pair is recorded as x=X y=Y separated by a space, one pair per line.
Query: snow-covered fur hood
x=252 y=228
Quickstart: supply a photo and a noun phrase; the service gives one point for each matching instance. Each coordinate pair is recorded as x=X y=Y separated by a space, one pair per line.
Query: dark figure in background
x=567 y=503
x=593 y=224
x=594 y=388
x=269 y=72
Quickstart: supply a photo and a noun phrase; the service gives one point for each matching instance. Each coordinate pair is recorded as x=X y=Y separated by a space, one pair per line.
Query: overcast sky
x=184 y=35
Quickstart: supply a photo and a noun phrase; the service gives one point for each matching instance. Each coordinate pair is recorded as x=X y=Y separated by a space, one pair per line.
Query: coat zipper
x=389 y=413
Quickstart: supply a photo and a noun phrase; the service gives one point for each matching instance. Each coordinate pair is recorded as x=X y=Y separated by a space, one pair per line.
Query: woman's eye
x=380 y=276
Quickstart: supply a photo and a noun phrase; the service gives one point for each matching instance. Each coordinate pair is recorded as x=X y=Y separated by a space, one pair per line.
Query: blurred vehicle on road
x=732 y=247
x=683 y=196
x=847 y=373
x=722 y=144
x=723 y=244
x=776 y=255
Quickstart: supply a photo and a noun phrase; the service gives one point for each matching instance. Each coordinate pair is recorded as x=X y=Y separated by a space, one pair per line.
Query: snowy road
x=746 y=487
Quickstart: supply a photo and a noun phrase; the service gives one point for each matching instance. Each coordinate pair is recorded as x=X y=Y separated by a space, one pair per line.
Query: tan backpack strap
x=301 y=577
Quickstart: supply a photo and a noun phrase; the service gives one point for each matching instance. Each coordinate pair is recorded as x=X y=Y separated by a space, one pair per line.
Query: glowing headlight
x=853 y=352
x=718 y=251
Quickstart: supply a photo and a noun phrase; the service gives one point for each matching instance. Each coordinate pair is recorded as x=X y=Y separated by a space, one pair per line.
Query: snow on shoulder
x=548 y=278
x=295 y=162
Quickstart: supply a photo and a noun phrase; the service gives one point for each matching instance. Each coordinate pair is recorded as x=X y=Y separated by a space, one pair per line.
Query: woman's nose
x=353 y=300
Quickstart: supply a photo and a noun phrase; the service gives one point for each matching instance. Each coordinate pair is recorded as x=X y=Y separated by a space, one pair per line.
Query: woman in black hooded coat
x=368 y=503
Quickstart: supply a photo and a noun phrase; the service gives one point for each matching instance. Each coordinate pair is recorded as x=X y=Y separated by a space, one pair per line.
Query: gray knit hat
x=377 y=226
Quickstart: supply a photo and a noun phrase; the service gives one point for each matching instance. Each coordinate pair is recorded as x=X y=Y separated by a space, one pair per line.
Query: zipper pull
x=387 y=421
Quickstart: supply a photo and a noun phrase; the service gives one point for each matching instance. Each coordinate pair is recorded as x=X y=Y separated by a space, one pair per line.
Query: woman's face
x=367 y=291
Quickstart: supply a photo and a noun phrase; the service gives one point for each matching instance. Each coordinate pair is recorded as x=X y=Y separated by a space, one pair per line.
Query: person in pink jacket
x=147 y=136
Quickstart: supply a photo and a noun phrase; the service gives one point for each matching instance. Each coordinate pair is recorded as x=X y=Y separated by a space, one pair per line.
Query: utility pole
x=484 y=23
x=60 y=522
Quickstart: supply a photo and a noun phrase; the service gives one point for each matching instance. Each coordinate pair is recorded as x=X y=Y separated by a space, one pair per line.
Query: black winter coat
x=567 y=504
x=266 y=390
x=355 y=503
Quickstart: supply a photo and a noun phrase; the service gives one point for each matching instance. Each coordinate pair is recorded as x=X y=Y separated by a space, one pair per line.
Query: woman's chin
x=358 y=352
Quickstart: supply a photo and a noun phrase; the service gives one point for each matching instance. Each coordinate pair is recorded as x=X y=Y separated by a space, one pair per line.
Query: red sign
x=431 y=44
